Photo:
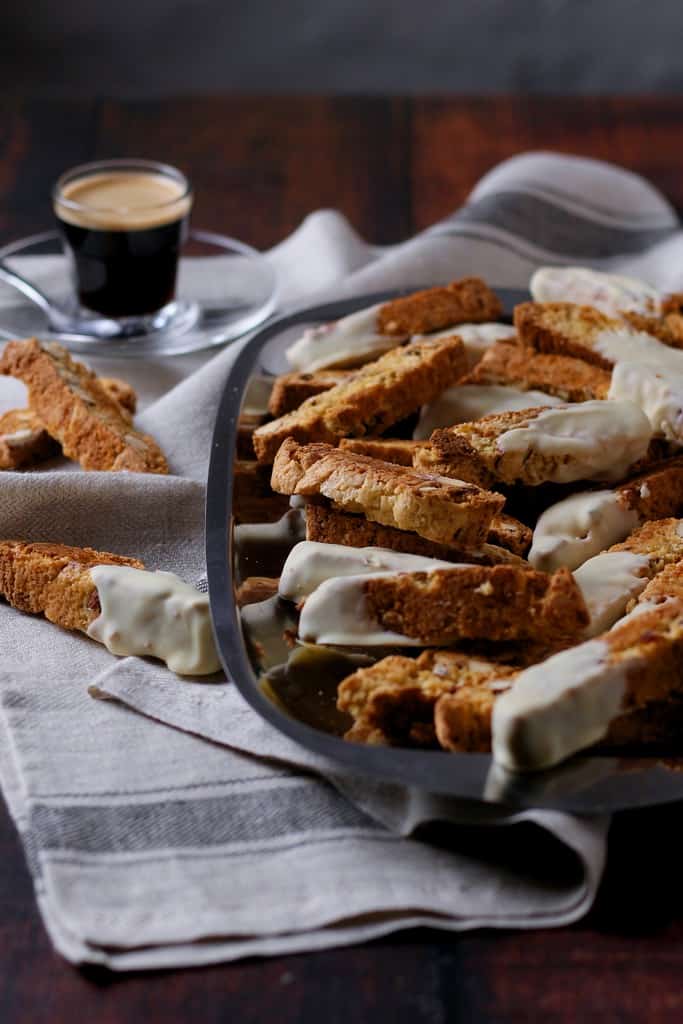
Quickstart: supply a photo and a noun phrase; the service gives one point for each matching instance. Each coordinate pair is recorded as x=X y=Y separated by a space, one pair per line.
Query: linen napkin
x=219 y=838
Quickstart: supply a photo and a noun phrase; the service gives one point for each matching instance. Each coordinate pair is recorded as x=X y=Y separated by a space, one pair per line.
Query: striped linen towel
x=211 y=837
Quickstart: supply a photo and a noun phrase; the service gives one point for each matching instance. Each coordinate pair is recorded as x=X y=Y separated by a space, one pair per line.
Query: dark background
x=156 y=48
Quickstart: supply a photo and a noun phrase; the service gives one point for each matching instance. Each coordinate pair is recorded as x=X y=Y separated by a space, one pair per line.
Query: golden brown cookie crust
x=393 y=702
x=564 y=328
x=657 y=493
x=54 y=580
x=434 y=309
x=77 y=411
x=462 y=720
x=445 y=511
x=660 y=540
x=666 y=585
x=649 y=647
x=470 y=451
x=572 y=380
x=387 y=449
x=449 y=453
x=292 y=389
x=372 y=399
x=668 y=328
x=494 y=603
x=507 y=532
x=331 y=526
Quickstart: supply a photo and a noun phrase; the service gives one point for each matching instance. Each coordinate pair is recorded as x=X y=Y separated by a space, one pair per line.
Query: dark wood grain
x=454 y=142
x=392 y=166
x=38 y=141
x=260 y=166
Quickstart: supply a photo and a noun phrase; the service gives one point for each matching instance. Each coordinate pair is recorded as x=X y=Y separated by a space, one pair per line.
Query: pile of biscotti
x=69 y=407
x=417 y=427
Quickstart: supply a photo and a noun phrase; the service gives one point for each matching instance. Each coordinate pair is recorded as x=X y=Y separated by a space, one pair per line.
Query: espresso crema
x=122 y=200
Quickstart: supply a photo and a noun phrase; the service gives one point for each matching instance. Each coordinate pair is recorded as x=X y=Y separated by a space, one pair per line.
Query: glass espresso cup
x=123 y=223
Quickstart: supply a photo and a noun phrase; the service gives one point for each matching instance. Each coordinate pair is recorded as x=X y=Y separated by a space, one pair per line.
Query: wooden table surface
x=392 y=166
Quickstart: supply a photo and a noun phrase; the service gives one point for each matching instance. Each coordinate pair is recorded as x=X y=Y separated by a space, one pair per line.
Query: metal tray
x=585 y=784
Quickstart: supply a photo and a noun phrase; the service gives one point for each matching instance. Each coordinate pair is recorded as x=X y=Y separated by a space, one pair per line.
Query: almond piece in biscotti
x=24 y=440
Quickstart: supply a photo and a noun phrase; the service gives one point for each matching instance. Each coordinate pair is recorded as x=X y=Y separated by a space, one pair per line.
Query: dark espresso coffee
x=123 y=231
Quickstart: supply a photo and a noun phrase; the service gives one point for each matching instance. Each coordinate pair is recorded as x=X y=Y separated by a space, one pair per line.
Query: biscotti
x=466 y=403
x=24 y=439
x=585 y=333
x=572 y=380
x=648 y=643
x=53 y=579
x=114 y=601
x=77 y=411
x=393 y=701
x=462 y=720
x=366 y=334
x=585 y=441
x=442 y=606
x=378 y=395
x=500 y=603
x=445 y=511
x=612 y=579
x=331 y=526
x=435 y=308
x=568 y=702
x=292 y=389
x=611 y=294
x=586 y=523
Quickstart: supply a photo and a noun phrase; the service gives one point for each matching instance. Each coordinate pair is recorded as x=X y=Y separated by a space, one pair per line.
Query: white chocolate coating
x=157 y=614
x=632 y=346
x=335 y=613
x=610 y=293
x=608 y=582
x=556 y=708
x=655 y=390
x=469 y=402
x=347 y=342
x=602 y=439
x=475 y=337
x=310 y=563
x=579 y=527
x=291 y=527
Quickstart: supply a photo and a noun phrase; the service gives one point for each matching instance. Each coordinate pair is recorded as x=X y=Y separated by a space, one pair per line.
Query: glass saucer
x=225 y=289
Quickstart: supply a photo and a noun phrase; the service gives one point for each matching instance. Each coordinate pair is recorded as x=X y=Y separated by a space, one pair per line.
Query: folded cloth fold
x=213 y=837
